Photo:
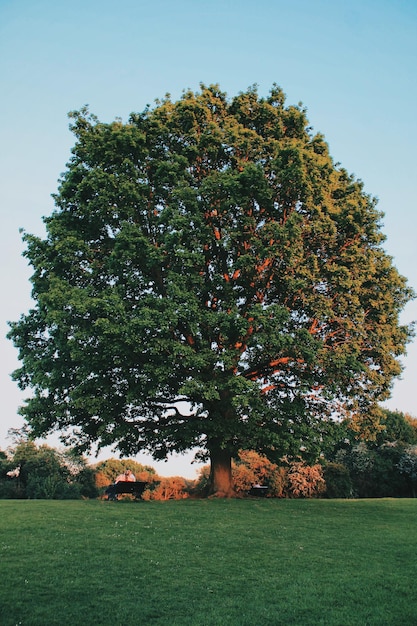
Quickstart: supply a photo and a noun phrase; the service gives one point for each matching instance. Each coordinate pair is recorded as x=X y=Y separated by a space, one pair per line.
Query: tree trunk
x=220 y=481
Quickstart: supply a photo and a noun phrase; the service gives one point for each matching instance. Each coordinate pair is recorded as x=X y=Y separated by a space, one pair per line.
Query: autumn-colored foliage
x=294 y=479
x=305 y=481
x=252 y=468
x=171 y=488
x=101 y=480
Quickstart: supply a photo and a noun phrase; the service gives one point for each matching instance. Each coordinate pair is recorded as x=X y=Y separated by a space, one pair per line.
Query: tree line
x=351 y=464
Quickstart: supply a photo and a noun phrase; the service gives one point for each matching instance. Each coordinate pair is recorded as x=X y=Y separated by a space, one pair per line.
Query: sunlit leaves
x=208 y=251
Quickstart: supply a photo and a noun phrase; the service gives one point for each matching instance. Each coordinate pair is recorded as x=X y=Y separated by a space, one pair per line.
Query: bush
x=251 y=468
x=407 y=466
x=374 y=470
x=171 y=488
x=305 y=481
x=338 y=481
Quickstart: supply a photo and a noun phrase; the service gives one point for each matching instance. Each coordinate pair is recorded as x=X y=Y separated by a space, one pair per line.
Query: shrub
x=338 y=481
x=251 y=468
x=305 y=481
x=407 y=466
x=374 y=470
x=171 y=488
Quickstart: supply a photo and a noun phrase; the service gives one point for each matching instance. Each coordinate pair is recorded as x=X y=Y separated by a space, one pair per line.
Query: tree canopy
x=209 y=279
x=31 y=471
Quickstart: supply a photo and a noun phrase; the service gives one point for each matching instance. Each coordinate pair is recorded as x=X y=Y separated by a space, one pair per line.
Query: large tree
x=210 y=278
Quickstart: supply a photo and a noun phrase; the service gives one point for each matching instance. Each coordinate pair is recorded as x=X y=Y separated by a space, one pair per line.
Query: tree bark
x=220 y=481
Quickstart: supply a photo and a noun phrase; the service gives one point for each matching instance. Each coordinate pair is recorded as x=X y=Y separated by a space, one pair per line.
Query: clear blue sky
x=352 y=64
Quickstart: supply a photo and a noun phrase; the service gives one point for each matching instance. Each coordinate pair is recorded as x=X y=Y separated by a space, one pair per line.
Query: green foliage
x=337 y=479
x=6 y=488
x=397 y=427
x=407 y=466
x=374 y=470
x=208 y=252
x=41 y=472
x=111 y=468
x=371 y=451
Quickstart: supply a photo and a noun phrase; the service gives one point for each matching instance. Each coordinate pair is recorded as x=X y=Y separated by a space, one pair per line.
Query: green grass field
x=208 y=562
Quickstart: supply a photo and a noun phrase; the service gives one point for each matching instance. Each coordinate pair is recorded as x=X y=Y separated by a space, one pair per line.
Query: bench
x=258 y=490
x=135 y=488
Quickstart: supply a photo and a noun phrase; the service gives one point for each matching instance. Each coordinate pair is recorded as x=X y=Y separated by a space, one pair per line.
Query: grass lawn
x=208 y=562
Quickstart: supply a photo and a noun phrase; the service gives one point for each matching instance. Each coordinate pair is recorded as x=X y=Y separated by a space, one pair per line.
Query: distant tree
x=111 y=468
x=407 y=465
x=81 y=473
x=374 y=470
x=209 y=278
x=412 y=421
x=43 y=472
x=360 y=462
x=371 y=453
x=397 y=427
x=6 y=469
x=3 y=460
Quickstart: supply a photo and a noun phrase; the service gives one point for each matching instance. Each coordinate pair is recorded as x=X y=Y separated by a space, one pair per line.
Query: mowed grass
x=208 y=562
